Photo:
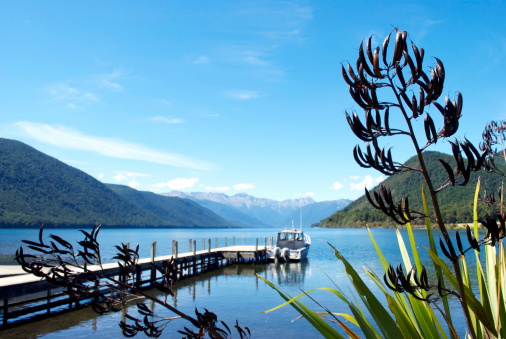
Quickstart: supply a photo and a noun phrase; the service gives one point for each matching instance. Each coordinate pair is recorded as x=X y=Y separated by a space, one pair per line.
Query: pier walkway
x=26 y=297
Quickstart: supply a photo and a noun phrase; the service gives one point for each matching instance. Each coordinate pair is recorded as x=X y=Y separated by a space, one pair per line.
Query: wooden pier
x=27 y=298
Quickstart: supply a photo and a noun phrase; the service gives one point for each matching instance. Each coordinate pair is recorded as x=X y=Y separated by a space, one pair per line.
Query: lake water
x=233 y=293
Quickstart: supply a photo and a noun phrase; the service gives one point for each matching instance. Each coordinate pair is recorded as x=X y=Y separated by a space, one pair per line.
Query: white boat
x=291 y=245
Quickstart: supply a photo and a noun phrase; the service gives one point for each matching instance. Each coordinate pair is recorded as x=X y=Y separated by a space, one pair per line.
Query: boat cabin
x=290 y=239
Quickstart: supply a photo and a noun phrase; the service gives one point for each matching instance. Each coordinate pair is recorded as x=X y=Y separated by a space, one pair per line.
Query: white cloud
x=134 y=184
x=166 y=120
x=177 y=184
x=354 y=177
x=368 y=182
x=61 y=136
x=108 y=80
x=337 y=185
x=239 y=187
x=121 y=176
x=201 y=60
x=244 y=94
x=71 y=95
x=111 y=85
x=223 y=188
x=309 y=194
x=253 y=58
x=166 y=102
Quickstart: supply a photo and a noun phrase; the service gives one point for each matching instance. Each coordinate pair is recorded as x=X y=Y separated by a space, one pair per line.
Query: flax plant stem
x=437 y=211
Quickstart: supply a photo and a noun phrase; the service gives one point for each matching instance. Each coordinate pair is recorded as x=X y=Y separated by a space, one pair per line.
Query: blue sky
x=226 y=96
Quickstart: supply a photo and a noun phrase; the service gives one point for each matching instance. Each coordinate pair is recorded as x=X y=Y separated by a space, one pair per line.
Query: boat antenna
x=301 y=218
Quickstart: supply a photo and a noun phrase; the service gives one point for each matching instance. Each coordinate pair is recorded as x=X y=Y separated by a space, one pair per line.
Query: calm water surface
x=233 y=293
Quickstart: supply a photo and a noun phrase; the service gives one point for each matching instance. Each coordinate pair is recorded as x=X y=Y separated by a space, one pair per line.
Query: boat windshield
x=290 y=236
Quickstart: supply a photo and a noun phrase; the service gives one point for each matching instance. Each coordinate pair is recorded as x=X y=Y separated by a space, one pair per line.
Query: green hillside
x=37 y=189
x=181 y=212
x=456 y=202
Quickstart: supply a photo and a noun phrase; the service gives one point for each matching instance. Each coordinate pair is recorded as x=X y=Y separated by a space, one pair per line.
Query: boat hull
x=286 y=254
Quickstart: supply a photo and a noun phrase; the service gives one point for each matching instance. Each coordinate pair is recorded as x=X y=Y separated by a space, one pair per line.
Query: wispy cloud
x=166 y=102
x=274 y=20
x=71 y=95
x=201 y=60
x=177 y=184
x=221 y=189
x=109 y=81
x=264 y=29
x=72 y=139
x=243 y=94
x=240 y=187
x=166 y=120
x=307 y=194
x=254 y=58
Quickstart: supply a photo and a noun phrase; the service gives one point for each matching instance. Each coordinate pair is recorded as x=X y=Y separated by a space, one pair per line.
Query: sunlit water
x=235 y=292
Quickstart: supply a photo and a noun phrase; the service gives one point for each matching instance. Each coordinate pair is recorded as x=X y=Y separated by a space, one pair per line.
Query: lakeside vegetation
x=455 y=202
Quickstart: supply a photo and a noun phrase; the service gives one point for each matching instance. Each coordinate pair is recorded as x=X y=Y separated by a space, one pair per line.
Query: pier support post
x=138 y=276
x=233 y=240
x=153 y=270
x=48 y=301
x=175 y=249
x=153 y=251
x=216 y=242
x=194 y=272
x=6 y=311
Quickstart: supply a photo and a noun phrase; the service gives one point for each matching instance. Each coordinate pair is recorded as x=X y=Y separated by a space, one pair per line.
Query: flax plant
x=413 y=306
x=80 y=272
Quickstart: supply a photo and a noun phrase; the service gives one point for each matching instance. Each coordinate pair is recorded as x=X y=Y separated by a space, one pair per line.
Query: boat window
x=299 y=236
x=282 y=236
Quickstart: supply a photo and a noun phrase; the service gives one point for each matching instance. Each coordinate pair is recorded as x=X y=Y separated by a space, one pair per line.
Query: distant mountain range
x=248 y=211
x=36 y=189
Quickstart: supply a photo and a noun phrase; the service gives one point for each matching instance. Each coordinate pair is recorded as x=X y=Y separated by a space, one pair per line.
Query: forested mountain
x=456 y=202
x=247 y=210
x=37 y=189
